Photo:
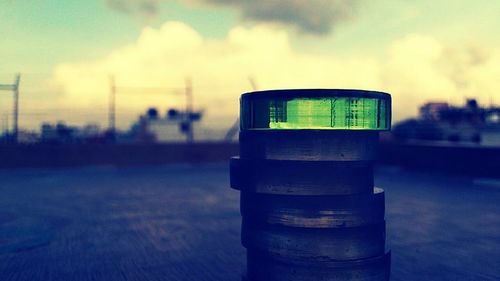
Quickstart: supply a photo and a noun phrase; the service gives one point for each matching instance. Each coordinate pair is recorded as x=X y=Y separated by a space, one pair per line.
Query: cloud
x=420 y=68
x=415 y=69
x=312 y=16
x=315 y=16
x=146 y=8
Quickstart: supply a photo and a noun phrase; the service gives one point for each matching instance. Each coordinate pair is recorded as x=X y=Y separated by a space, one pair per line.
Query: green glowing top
x=315 y=109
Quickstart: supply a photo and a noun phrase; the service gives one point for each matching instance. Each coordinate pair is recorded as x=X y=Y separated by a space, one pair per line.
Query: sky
x=418 y=51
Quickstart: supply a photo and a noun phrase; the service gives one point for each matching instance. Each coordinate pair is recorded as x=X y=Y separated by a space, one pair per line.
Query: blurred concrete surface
x=182 y=222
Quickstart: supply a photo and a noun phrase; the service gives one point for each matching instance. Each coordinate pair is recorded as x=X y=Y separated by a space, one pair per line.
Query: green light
x=316 y=109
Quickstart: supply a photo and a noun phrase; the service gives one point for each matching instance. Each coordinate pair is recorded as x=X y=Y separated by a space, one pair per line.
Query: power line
x=187 y=91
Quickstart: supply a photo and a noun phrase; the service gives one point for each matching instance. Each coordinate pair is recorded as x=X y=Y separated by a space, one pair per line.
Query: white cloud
x=415 y=69
x=420 y=68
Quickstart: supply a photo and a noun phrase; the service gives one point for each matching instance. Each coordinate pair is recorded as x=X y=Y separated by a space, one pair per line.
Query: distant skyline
x=416 y=50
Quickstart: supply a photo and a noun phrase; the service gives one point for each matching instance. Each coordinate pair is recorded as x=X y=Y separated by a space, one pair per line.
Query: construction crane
x=231 y=133
x=14 y=88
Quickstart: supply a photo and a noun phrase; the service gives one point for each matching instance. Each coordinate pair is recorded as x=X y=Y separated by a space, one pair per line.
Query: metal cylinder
x=305 y=171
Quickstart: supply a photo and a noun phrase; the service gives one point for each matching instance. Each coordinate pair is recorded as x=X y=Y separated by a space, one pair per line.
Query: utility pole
x=189 y=109
x=112 y=105
x=15 y=111
x=5 y=124
x=16 y=107
x=189 y=95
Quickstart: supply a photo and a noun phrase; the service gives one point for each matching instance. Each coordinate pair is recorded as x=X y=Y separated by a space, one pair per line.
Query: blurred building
x=431 y=110
x=150 y=127
x=60 y=133
x=439 y=121
x=174 y=126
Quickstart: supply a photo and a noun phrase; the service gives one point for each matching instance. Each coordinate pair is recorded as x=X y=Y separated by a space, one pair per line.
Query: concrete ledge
x=462 y=159
x=45 y=155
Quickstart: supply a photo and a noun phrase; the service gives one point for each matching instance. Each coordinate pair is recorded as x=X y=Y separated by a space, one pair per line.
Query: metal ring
x=261 y=267
x=309 y=145
x=315 y=244
x=314 y=211
x=289 y=177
